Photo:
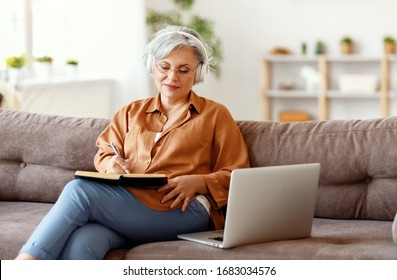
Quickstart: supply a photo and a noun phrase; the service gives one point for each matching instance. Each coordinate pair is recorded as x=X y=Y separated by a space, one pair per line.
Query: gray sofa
x=356 y=203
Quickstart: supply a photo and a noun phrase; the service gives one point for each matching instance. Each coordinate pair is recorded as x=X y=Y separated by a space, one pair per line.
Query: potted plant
x=44 y=59
x=346 y=45
x=319 y=48
x=43 y=67
x=15 y=62
x=72 y=62
x=14 y=65
x=389 y=44
x=71 y=68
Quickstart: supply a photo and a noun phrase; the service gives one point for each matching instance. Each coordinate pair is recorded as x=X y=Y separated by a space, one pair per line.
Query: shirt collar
x=194 y=102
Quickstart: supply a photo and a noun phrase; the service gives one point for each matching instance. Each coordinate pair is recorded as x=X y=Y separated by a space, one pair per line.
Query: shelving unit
x=326 y=91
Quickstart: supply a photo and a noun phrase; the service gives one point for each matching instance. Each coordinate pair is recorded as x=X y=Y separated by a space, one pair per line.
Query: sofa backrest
x=358 y=158
x=39 y=154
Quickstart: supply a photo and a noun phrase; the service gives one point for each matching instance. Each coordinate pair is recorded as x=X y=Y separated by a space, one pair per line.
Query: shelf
x=325 y=93
x=392 y=94
x=353 y=58
x=291 y=58
x=338 y=94
x=329 y=94
x=330 y=58
x=61 y=81
x=291 y=94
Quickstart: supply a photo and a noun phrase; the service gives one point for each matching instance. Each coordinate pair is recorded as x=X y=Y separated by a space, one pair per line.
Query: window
x=49 y=26
x=12 y=28
x=107 y=37
x=37 y=28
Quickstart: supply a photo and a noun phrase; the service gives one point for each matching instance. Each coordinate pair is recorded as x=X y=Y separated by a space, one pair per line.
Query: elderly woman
x=193 y=140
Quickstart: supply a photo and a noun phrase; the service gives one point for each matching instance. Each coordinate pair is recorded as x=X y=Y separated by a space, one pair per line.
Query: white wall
x=111 y=38
x=249 y=28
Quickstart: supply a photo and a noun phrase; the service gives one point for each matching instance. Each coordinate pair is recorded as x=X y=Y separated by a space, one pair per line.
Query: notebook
x=266 y=204
x=149 y=181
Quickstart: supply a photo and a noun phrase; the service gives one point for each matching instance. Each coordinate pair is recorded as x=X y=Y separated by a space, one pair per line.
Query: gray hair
x=173 y=37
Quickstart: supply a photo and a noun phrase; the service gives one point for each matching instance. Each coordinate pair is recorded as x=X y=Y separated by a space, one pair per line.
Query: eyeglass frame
x=161 y=70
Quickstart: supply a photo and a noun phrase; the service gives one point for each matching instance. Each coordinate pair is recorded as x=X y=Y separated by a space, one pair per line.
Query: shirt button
x=22 y=165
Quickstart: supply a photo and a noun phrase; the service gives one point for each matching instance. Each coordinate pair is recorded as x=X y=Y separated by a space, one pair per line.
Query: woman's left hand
x=182 y=189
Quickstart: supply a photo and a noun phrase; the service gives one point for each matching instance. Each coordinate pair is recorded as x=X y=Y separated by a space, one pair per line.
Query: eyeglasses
x=165 y=68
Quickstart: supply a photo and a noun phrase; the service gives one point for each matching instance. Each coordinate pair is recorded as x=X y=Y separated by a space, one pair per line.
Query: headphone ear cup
x=200 y=73
x=150 y=61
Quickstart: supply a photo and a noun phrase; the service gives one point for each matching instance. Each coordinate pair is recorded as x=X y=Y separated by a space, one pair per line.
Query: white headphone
x=201 y=69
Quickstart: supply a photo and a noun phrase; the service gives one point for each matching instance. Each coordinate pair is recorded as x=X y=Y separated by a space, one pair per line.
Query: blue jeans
x=91 y=218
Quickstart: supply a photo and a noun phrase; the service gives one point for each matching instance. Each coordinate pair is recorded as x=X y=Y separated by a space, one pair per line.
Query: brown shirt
x=206 y=140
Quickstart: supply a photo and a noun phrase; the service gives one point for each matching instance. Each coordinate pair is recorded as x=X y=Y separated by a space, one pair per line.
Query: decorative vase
x=43 y=70
x=71 y=71
x=346 y=48
x=390 y=48
x=14 y=74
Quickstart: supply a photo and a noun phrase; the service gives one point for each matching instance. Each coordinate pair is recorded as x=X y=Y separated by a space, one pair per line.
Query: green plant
x=389 y=40
x=320 y=49
x=156 y=20
x=16 y=61
x=72 y=62
x=44 y=59
x=346 y=40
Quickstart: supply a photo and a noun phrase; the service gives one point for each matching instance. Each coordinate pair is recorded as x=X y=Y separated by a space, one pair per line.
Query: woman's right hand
x=117 y=165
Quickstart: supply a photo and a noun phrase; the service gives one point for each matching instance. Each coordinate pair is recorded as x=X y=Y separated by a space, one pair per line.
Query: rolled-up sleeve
x=113 y=133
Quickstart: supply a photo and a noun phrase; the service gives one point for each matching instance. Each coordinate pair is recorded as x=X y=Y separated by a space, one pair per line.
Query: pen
x=114 y=147
x=116 y=151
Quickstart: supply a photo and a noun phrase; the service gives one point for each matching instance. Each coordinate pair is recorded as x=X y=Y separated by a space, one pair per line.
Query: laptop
x=266 y=204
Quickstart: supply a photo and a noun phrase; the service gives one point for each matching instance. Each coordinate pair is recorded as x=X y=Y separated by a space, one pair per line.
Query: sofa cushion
x=330 y=239
x=17 y=222
x=358 y=161
x=40 y=153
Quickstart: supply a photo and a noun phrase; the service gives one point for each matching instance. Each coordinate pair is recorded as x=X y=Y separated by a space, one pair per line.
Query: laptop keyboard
x=217 y=238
